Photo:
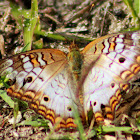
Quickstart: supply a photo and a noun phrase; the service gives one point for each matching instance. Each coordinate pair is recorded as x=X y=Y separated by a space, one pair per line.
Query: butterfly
x=55 y=84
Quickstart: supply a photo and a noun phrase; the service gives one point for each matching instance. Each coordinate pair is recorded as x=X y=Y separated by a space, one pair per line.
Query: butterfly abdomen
x=75 y=61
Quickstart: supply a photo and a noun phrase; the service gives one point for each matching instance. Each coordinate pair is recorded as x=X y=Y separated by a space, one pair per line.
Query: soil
x=71 y=19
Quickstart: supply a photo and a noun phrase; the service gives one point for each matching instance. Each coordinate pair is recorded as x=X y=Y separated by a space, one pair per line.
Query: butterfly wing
x=116 y=63
x=41 y=78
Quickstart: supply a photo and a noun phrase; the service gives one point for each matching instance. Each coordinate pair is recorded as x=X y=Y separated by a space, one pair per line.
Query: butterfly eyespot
x=102 y=106
x=69 y=108
x=112 y=85
x=94 y=103
x=46 y=98
x=29 y=79
x=121 y=59
x=11 y=82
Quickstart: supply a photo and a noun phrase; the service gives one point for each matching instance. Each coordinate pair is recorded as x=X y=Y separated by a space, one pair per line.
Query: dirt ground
x=71 y=19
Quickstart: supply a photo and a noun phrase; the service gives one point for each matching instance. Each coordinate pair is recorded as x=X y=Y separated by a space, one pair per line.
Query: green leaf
x=7 y=98
x=30 y=24
x=126 y=129
x=137 y=7
x=133 y=11
x=38 y=123
x=38 y=44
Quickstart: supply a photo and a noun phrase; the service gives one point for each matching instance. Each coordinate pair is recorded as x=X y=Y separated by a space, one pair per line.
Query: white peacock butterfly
x=55 y=83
